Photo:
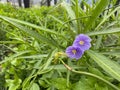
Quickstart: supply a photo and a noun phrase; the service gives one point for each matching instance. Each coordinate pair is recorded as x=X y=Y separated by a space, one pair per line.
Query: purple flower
x=82 y=41
x=74 y=52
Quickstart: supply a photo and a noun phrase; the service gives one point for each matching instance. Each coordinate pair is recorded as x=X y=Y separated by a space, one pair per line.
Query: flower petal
x=82 y=41
x=74 y=55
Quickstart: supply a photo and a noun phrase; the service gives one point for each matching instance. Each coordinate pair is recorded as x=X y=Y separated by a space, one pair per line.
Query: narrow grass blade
x=33 y=56
x=32 y=33
x=102 y=32
x=113 y=53
x=32 y=25
x=106 y=17
x=71 y=14
x=69 y=10
x=56 y=19
x=49 y=59
x=10 y=42
x=96 y=12
x=14 y=56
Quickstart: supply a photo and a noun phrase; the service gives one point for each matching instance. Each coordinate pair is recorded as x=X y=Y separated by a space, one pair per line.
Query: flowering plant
x=80 y=44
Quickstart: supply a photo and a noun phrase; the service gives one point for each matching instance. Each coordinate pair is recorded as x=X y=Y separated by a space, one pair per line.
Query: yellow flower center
x=74 y=51
x=81 y=42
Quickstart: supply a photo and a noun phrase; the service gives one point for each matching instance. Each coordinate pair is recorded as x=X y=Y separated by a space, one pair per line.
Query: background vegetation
x=33 y=42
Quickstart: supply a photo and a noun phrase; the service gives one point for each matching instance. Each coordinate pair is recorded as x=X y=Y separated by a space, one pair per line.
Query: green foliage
x=13 y=84
x=36 y=39
x=34 y=87
x=108 y=65
x=60 y=84
x=2 y=83
x=95 y=13
x=91 y=84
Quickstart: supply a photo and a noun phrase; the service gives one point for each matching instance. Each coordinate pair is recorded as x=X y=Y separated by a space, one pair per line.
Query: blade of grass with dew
x=106 y=64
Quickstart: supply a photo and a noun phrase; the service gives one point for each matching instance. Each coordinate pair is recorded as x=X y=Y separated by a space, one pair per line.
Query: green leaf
x=101 y=32
x=12 y=57
x=98 y=87
x=106 y=64
x=60 y=84
x=49 y=58
x=69 y=10
x=96 y=12
x=106 y=17
x=13 y=84
x=56 y=19
x=113 y=53
x=95 y=71
x=32 y=33
x=35 y=86
x=31 y=25
x=10 y=42
x=70 y=13
x=83 y=84
x=33 y=56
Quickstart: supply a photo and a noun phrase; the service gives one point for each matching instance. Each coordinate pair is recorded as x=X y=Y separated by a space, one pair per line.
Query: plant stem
x=95 y=76
x=77 y=16
x=91 y=75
